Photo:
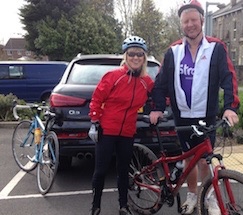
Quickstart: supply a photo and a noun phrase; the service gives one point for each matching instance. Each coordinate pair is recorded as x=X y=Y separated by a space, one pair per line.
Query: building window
x=233 y=54
x=19 y=52
x=234 y=31
x=28 y=53
x=9 y=52
x=241 y=54
x=220 y=31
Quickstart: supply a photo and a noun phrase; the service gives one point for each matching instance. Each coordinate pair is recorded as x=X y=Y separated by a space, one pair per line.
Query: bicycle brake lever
x=227 y=121
x=199 y=133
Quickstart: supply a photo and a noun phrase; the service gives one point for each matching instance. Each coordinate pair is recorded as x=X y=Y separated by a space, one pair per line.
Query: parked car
x=70 y=101
x=31 y=81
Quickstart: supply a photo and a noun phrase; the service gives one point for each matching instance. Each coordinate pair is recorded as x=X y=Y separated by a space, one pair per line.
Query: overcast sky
x=10 y=25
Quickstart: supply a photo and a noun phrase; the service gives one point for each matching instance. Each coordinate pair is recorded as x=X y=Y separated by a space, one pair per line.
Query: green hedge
x=6 y=107
x=240 y=112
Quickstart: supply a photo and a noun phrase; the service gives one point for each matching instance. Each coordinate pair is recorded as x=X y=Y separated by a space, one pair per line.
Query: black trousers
x=104 y=150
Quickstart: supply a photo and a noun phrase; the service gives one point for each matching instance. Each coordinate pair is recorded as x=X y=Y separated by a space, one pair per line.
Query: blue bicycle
x=35 y=145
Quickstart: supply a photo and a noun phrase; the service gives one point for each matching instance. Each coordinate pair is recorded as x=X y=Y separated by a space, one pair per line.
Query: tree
x=62 y=28
x=36 y=11
x=173 y=29
x=148 y=23
x=125 y=11
x=103 y=6
x=61 y=34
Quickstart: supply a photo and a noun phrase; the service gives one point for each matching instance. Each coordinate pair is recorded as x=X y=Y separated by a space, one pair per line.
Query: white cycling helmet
x=134 y=41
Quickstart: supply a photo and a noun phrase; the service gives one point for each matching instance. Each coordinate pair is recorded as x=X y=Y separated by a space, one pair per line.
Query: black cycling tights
x=105 y=148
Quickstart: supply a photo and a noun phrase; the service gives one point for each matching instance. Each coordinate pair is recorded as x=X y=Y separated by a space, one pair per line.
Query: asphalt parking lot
x=71 y=193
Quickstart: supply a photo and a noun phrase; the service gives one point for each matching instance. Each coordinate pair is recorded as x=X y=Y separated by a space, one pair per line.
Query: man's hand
x=93 y=131
x=154 y=116
x=231 y=116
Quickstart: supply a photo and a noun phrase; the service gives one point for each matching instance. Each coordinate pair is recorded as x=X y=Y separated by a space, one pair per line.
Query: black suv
x=70 y=101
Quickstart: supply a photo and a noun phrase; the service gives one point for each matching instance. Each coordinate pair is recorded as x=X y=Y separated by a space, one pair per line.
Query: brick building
x=15 y=48
x=228 y=26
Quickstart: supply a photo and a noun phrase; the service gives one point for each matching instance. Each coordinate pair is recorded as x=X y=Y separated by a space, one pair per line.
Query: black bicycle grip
x=184 y=128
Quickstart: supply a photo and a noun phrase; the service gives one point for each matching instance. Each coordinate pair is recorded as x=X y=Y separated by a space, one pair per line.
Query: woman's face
x=191 y=23
x=135 y=58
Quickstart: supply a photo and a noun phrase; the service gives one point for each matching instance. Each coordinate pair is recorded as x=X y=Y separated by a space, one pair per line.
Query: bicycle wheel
x=23 y=146
x=143 y=200
x=48 y=163
x=236 y=183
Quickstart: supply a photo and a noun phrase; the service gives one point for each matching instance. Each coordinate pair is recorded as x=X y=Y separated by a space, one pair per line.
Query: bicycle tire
x=23 y=146
x=48 y=164
x=144 y=201
x=236 y=182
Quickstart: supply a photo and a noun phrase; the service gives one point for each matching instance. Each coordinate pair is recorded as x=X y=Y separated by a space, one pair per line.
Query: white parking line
x=4 y=194
x=15 y=180
x=56 y=194
x=10 y=186
x=68 y=193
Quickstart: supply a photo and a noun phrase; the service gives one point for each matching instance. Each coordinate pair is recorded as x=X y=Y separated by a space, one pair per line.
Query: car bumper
x=73 y=138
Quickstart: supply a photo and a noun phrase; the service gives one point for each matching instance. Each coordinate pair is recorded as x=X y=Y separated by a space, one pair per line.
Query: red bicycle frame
x=196 y=154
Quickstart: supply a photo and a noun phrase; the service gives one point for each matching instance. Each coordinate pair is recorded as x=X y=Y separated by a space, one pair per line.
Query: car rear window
x=90 y=74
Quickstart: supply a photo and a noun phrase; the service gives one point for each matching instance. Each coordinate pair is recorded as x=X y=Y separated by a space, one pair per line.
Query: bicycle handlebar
x=145 y=118
x=199 y=130
x=202 y=128
x=31 y=106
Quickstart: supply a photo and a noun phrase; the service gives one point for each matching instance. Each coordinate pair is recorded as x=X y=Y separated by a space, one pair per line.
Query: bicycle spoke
x=48 y=163
x=142 y=199
x=23 y=146
x=232 y=197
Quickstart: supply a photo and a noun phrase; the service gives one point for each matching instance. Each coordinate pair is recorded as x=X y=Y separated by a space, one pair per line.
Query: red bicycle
x=150 y=186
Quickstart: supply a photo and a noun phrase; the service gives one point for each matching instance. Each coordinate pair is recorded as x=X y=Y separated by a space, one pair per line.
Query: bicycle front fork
x=216 y=182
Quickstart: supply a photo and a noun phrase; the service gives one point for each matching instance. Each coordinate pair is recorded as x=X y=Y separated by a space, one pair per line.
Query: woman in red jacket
x=113 y=111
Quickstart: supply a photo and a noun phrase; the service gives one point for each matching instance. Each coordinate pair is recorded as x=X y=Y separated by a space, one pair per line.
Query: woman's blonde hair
x=144 y=66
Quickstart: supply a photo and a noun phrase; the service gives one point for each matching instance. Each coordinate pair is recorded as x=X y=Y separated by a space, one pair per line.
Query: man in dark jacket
x=193 y=70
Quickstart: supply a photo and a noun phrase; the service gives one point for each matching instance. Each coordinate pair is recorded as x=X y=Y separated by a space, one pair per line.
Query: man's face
x=191 y=23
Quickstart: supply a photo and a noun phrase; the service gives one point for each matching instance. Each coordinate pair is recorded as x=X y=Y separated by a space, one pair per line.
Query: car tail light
x=58 y=100
x=170 y=133
x=78 y=135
